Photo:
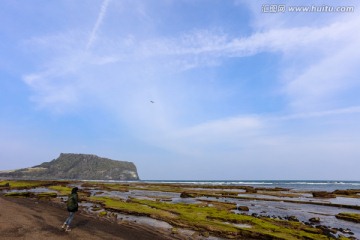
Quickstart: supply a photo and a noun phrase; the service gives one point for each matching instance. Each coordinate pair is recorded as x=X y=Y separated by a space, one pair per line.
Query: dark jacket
x=72 y=202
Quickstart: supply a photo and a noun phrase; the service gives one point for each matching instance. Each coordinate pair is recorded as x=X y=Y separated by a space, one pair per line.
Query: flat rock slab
x=23 y=218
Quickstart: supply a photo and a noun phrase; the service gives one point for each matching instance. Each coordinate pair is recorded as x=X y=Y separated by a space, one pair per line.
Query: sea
x=296 y=185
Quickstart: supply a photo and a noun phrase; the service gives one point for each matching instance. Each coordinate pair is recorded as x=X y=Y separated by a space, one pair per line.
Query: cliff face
x=78 y=166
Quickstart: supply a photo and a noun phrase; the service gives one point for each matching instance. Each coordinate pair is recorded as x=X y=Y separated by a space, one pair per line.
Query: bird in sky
x=152 y=101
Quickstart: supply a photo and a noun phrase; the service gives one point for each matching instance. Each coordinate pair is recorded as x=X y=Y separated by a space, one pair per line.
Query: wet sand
x=24 y=218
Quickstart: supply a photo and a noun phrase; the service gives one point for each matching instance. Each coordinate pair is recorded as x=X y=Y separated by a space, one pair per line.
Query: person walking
x=72 y=207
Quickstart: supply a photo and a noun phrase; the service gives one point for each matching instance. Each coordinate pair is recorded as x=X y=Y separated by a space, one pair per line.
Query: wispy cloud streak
x=318 y=114
x=99 y=20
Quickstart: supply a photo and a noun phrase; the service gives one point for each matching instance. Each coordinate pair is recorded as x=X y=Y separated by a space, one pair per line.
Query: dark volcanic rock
x=6 y=185
x=323 y=194
x=347 y=192
x=314 y=220
x=292 y=218
x=77 y=166
x=250 y=190
x=243 y=208
x=186 y=195
x=352 y=217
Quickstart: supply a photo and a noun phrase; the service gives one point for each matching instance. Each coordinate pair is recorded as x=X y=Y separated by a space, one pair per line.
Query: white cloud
x=159 y=56
x=208 y=136
x=249 y=132
x=99 y=20
x=123 y=74
x=320 y=85
x=306 y=115
x=224 y=126
x=319 y=51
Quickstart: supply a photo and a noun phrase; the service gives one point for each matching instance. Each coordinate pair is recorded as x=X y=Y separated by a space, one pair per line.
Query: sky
x=185 y=89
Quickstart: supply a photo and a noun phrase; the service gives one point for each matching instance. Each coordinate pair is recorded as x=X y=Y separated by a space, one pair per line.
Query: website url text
x=282 y=8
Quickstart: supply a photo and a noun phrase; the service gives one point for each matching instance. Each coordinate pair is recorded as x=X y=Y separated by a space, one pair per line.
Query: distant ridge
x=77 y=167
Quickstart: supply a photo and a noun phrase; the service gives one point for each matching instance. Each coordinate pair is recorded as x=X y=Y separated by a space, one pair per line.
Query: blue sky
x=238 y=93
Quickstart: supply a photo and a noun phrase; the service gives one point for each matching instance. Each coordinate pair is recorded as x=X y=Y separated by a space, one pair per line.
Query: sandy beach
x=28 y=218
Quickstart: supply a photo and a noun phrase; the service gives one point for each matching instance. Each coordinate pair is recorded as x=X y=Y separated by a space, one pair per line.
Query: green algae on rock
x=212 y=219
x=19 y=194
x=46 y=195
x=62 y=190
x=352 y=217
x=25 y=184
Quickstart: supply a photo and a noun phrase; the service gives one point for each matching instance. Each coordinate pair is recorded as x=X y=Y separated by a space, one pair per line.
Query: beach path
x=23 y=218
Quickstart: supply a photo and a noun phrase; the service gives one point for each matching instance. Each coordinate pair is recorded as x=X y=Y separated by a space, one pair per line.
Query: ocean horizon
x=296 y=185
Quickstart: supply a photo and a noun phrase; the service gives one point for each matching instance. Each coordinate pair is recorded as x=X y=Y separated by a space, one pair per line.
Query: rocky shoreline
x=33 y=218
x=193 y=211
